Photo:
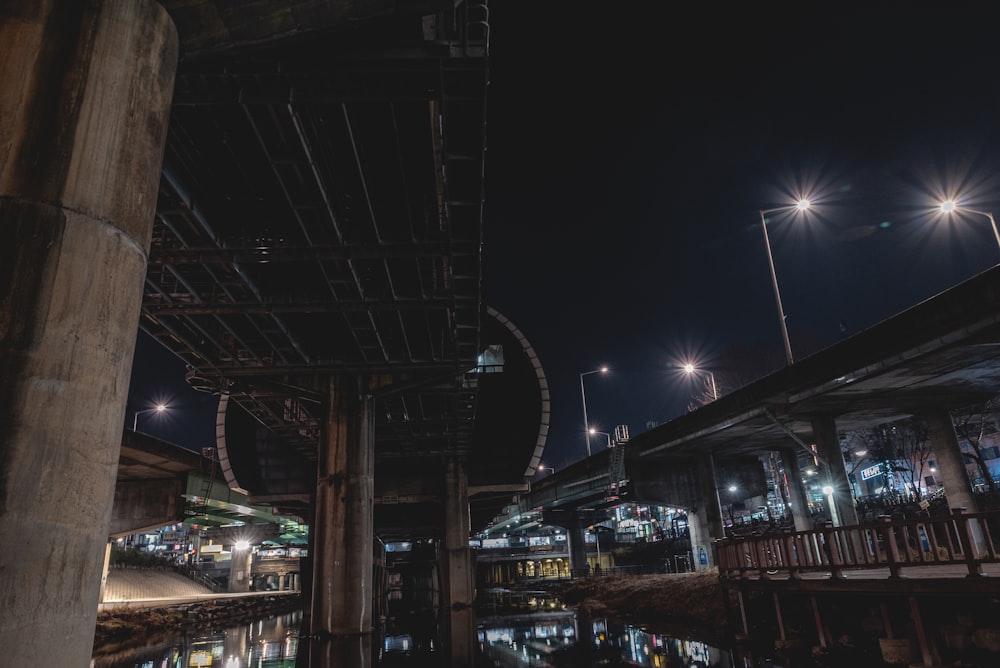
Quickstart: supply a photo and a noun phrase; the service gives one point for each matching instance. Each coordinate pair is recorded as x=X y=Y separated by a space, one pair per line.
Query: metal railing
x=964 y=539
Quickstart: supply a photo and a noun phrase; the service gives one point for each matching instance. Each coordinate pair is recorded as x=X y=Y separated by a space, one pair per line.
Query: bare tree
x=972 y=423
x=901 y=447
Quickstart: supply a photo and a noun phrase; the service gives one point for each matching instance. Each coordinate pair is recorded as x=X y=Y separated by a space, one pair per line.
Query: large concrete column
x=950 y=462
x=828 y=449
x=85 y=88
x=240 y=565
x=708 y=526
x=796 y=489
x=342 y=533
x=457 y=576
x=577 y=534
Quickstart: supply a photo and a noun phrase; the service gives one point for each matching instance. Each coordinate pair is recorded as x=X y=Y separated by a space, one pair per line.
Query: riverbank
x=683 y=604
x=123 y=627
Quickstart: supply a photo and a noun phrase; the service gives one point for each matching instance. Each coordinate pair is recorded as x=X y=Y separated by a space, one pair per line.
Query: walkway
x=146 y=588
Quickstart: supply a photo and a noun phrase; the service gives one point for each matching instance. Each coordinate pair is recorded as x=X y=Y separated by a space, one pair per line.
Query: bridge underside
x=941 y=354
x=320 y=214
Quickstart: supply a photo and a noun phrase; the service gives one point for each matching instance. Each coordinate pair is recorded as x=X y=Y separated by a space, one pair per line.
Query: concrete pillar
x=828 y=449
x=950 y=462
x=701 y=541
x=281 y=581
x=343 y=540
x=576 y=532
x=711 y=511
x=457 y=577
x=239 y=569
x=705 y=523
x=796 y=489
x=84 y=108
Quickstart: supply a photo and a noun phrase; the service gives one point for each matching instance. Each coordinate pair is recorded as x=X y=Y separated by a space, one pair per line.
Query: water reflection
x=270 y=643
x=532 y=630
x=564 y=639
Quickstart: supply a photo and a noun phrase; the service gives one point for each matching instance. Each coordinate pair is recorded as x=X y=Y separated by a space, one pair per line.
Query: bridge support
x=705 y=523
x=457 y=581
x=950 y=463
x=843 y=512
x=796 y=490
x=85 y=106
x=577 y=532
x=240 y=566
x=343 y=540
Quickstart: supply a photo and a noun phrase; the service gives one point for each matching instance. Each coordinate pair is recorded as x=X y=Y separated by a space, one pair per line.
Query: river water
x=531 y=638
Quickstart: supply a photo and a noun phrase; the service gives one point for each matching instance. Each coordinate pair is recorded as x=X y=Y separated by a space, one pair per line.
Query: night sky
x=629 y=152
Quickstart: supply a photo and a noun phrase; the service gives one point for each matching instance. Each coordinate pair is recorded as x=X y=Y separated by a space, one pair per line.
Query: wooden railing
x=957 y=539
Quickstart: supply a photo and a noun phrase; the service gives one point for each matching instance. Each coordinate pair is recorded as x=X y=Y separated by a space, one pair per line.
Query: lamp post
x=801 y=205
x=597 y=539
x=691 y=369
x=583 y=396
x=159 y=408
x=949 y=206
x=604 y=433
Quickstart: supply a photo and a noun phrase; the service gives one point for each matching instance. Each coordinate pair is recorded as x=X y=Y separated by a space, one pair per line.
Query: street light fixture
x=159 y=408
x=691 y=369
x=594 y=431
x=801 y=205
x=583 y=395
x=950 y=206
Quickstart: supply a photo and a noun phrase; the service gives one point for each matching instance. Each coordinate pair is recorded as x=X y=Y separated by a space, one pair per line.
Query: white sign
x=871 y=472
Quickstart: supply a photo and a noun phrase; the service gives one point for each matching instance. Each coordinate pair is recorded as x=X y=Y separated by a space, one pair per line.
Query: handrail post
x=891 y=549
x=723 y=556
x=832 y=552
x=791 y=555
x=968 y=545
x=740 y=555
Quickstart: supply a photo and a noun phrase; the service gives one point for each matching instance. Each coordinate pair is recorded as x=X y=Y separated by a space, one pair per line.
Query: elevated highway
x=289 y=198
x=937 y=356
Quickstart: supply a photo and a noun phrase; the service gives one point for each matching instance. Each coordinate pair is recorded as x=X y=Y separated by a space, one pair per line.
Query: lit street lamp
x=594 y=431
x=158 y=409
x=949 y=206
x=691 y=369
x=583 y=395
x=801 y=205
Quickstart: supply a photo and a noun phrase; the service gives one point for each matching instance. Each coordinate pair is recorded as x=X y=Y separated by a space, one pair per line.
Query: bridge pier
x=85 y=106
x=577 y=534
x=844 y=512
x=705 y=523
x=796 y=490
x=343 y=539
x=457 y=577
x=950 y=463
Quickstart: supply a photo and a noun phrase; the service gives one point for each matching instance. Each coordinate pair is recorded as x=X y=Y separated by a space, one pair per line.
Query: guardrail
x=965 y=539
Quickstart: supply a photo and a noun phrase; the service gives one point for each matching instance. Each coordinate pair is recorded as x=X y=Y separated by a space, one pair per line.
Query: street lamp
x=691 y=369
x=801 y=205
x=159 y=408
x=597 y=539
x=583 y=395
x=594 y=431
x=949 y=206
